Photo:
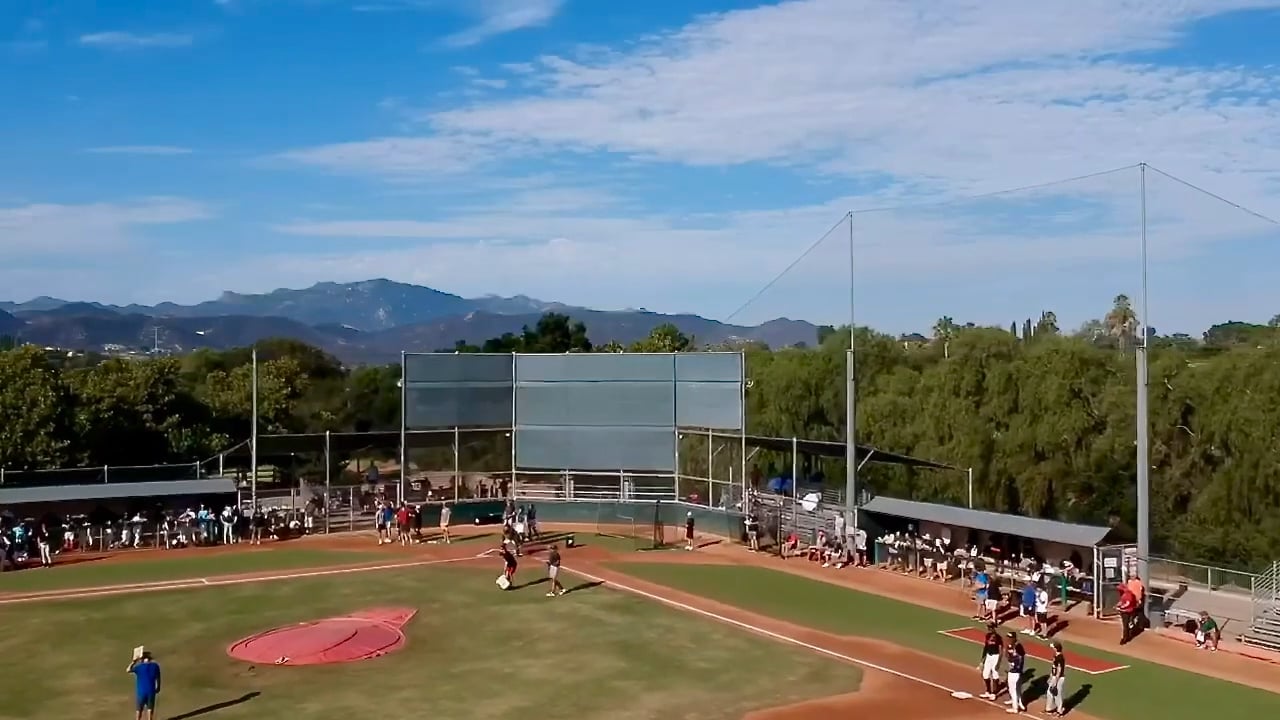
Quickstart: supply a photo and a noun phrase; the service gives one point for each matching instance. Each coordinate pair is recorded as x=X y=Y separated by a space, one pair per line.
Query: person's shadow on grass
x=198 y=712
x=583 y=586
x=1039 y=686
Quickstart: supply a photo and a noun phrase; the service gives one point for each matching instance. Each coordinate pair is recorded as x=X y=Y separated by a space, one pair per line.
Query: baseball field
x=717 y=633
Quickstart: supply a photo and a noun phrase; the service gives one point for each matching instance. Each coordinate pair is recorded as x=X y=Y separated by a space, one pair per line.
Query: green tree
x=665 y=338
x=135 y=413
x=35 y=417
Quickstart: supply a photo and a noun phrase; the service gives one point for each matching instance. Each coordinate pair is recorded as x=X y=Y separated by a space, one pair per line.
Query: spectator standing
x=446 y=513
x=258 y=525
x=860 y=546
x=1042 y=612
x=1128 y=609
x=1027 y=609
x=44 y=539
x=982 y=587
x=228 y=525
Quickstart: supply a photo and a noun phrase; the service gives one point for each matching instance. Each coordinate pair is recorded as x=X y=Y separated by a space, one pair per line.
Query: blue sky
x=669 y=155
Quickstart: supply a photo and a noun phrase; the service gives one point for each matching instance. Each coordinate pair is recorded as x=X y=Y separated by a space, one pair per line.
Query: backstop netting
x=1001 y=331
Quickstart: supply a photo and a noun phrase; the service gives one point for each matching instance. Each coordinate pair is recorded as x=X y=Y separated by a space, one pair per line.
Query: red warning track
x=359 y=636
x=1087 y=665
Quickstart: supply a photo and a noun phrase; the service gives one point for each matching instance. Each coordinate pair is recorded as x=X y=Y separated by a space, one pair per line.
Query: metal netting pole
x=404 y=395
x=795 y=478
x=328 y=465
x=457 y=462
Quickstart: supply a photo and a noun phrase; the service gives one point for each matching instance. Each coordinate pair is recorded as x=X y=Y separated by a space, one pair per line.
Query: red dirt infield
x=359 y=636
x=1087 y=665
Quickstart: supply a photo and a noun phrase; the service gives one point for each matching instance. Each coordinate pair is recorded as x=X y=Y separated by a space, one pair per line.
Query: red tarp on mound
x=358 y=636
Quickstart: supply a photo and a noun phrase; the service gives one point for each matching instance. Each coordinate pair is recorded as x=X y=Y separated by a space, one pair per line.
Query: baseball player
x=1016 y=657
x=509 y=563
x=553 y=571
x=1054 y=701
x=992 y=647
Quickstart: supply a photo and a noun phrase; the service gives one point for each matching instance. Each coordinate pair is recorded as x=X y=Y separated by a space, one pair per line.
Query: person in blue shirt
x=982 y=584
x=1028 y=608
x=146 y=675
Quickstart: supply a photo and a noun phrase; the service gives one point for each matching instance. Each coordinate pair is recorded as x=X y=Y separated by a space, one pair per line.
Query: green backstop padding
x=709 y=521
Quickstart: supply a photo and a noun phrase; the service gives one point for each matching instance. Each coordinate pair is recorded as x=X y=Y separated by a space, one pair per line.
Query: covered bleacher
x=911 y=536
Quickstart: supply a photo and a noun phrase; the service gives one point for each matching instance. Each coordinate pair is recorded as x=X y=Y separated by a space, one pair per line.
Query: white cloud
x=45 y=230
x=396 y=157
x=967 y=96
x=978 y=95
x=118 y=40
x=498 y=17
x=140 y=150
x=943 y=96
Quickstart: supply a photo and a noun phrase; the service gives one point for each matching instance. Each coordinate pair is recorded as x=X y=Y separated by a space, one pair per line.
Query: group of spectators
x=28 y=541
x=23 y=541
x=836 y=550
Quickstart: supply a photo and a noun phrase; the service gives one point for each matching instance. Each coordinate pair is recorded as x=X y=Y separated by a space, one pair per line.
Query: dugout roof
x=1015 y=525
x=115 y=491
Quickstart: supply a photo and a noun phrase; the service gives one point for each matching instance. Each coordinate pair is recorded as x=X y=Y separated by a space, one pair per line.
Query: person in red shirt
x=404 y=523
x=1128 y=609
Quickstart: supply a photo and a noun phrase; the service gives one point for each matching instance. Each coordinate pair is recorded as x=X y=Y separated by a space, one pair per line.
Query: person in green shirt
x=1207 y=633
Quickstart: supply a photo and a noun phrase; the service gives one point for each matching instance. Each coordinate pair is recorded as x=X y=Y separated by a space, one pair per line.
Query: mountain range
x=368 y=321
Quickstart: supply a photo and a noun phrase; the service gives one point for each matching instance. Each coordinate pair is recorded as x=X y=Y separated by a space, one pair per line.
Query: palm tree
x=1121 y=322
x=1048 y=324
x=945 y=330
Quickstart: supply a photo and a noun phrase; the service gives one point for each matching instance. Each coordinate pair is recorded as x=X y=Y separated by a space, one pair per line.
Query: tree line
x=1045 y=418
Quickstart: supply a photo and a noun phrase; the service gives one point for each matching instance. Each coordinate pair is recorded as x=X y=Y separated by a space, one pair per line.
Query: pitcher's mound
x=359 y=636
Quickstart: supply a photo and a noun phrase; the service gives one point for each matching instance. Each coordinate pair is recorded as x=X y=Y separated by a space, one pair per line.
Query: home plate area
x=1075 y=661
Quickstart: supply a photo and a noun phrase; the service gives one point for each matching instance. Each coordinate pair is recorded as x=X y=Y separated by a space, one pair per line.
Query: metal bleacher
x=1264 y=629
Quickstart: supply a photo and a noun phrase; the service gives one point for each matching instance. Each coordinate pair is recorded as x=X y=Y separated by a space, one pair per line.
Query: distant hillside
x=9 y=325
x=371 y=321
x=367 y=305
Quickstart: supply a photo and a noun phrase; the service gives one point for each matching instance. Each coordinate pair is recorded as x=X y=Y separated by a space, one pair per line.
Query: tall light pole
x=1143 y=440
x=253 y=432
x=850 y=410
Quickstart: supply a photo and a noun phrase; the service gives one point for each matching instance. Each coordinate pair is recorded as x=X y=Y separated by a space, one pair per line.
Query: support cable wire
x=1192 y=186
x=848 y=216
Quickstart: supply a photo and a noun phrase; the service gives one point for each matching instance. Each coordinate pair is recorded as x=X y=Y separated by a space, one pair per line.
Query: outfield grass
x=473 y=652
x=176 y=565
x=1144 y=690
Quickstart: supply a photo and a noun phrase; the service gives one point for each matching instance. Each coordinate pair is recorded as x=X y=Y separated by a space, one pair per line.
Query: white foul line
x=215 y=582
x=787 y=639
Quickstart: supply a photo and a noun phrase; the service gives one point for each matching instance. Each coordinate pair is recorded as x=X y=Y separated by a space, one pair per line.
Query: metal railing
x=108 y=474
x=1176 y=573
x=1265 y=591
